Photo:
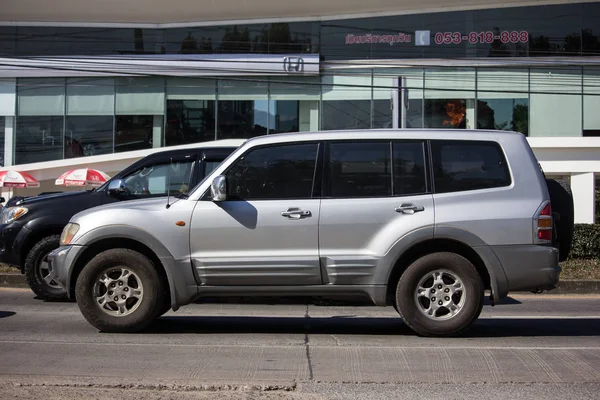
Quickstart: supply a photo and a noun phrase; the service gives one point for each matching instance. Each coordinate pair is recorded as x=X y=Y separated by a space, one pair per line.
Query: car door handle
x=409 y=208
x=296 y=213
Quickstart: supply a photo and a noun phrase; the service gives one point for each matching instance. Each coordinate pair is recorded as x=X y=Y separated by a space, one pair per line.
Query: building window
x=2 y=138
x=294 y=104
x=555 y=102
x=449 y=98
x=88 y=135
x=39 y=138
x=503 y=100
x=243 y=109
x=39 y=128
x=346 y=102
x=135 y=132
x=89 y=122
x=591 y=101
x=140 y=109
x=191 y=104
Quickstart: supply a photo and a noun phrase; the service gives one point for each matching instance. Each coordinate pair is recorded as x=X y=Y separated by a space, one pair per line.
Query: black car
x=30 y=228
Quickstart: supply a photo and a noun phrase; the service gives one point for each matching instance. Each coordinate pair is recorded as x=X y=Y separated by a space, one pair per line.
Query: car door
x=153 y=178
x=376 y=196
x=266 y=232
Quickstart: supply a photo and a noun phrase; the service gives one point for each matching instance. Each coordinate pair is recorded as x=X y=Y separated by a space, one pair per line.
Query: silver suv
x=422 y=220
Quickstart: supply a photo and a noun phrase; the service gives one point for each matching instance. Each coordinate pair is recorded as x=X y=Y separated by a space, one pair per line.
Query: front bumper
x=529 y=267
x=11 y=242
x=61 y=263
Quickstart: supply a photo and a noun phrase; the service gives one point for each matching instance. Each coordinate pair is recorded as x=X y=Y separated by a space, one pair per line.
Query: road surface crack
x=307 y=344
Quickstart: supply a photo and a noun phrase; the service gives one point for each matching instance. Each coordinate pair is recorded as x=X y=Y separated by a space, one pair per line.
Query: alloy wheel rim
x=118 y=291
x=440 y=295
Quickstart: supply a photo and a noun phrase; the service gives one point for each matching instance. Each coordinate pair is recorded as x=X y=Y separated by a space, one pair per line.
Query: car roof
x=377 y=134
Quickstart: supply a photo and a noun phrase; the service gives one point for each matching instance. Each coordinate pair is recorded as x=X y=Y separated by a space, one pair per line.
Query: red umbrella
x=17 y=179
x=81 y=177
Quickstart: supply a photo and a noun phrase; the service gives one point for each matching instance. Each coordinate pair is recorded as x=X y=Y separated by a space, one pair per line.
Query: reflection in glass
x=190 y=121
x=283 y=116
x=446 y=113
x=242 y=118
x=38 y=139
x=503 y=114
x=133 y=132
x=383 y=114
x=88 y=136
x=346 y=114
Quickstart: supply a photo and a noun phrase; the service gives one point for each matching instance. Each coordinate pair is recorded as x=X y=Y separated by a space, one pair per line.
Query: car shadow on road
x=6 y=314
x=351 y=325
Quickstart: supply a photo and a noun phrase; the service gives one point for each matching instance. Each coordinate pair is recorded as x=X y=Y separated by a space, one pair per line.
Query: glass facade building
x=533 y=69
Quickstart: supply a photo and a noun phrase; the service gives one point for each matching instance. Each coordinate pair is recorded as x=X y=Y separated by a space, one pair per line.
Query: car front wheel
x=120 y=290
x=440 y=294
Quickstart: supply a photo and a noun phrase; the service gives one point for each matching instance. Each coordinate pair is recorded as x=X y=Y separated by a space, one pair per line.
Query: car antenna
x=169 y=181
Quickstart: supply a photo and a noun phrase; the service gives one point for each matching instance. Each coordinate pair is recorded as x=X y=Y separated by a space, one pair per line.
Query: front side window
x=153 y=180
x=468 y=165
x=276 y=172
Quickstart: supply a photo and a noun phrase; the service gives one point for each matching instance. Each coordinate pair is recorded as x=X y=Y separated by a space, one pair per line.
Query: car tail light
x=543 y=224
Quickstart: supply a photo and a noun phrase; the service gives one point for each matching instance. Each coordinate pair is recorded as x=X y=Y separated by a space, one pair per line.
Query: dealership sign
x=162 y=64
x=424 y=38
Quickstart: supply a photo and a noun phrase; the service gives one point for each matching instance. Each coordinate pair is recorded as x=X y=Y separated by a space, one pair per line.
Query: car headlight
x=11 y=214
x=68 y=233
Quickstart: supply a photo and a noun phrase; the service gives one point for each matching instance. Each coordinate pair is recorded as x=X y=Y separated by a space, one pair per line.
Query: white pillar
x=157 y=129
x=582 y=187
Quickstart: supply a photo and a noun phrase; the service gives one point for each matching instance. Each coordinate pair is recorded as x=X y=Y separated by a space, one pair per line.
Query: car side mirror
x=117 y=186
x=218 y=188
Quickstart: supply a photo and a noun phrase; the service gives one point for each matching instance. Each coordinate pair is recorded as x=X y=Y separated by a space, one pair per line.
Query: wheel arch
x=436 y=245
x=103 y=244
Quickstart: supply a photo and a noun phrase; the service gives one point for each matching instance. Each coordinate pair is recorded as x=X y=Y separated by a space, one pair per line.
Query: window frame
x=326 y=192
x=493 y=143
x=316 y=184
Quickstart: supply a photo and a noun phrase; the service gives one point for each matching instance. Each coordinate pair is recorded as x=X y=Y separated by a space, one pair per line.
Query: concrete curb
x=17 y=280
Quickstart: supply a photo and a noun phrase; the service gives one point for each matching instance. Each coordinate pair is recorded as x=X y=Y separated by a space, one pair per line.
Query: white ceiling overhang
x=161 y=13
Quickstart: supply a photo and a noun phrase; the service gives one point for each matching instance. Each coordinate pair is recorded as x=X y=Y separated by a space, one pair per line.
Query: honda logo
x=293 y=64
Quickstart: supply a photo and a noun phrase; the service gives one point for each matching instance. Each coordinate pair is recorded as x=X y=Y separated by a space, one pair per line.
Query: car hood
x=153 y=204
x=54 y=197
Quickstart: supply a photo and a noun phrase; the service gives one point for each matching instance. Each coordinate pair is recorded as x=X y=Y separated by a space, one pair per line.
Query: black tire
x=564 y=217
x=149 y=307
x=409 y=308
x=34 y=274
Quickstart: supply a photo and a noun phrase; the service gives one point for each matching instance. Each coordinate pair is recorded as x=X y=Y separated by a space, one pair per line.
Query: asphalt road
x=530 y=347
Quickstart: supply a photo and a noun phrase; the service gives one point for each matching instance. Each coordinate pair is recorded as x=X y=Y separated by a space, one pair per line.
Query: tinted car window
x=360 y=169
x=409 y=168
x=276 y=172
x=153 y=180
x=468 y=165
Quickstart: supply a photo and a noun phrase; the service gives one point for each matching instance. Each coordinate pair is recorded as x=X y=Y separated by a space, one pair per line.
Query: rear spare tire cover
x=562 y=204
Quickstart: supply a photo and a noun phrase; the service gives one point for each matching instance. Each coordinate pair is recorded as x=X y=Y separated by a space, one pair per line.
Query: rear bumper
x=529 y=267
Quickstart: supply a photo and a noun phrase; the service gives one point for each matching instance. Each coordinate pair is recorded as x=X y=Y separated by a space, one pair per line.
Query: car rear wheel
x=37 y=272
x=120 y=290
x=440 y=294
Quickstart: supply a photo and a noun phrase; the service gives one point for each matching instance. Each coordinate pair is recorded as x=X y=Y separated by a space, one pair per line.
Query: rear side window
x=468 y=165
